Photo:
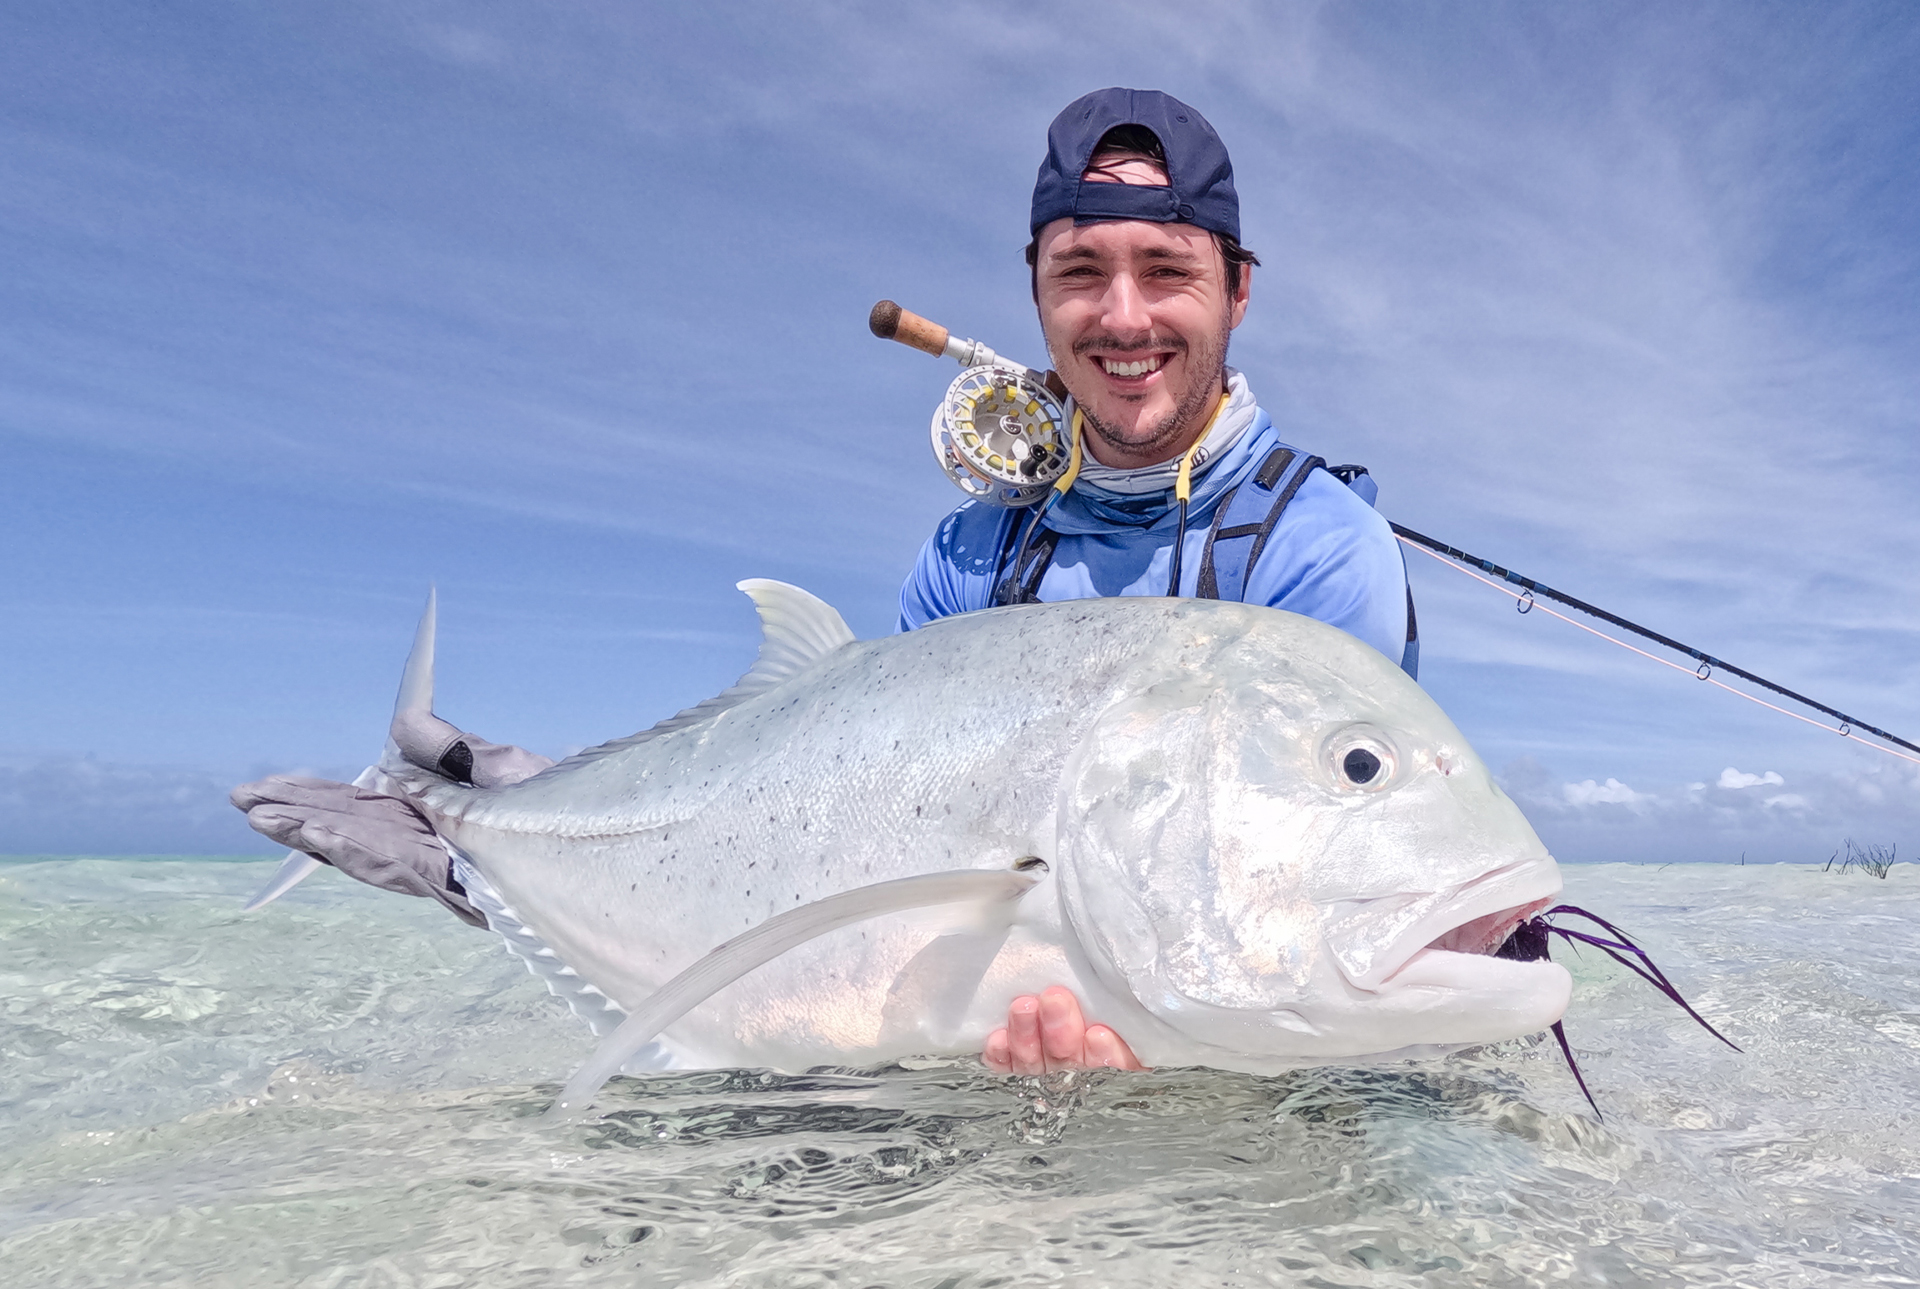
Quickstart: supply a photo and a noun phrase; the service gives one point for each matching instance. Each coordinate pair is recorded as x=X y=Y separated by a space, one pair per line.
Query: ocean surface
x=343 y=1090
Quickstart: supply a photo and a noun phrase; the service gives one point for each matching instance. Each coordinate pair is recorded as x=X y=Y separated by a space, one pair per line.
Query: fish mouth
x=1484 y=935
x=1375 y=941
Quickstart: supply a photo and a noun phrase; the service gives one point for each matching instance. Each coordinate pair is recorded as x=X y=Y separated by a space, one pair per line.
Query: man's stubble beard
x=1202 y=395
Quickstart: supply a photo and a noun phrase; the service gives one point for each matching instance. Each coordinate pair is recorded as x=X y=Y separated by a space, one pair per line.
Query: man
x=1185 y=488
x=1140 y=279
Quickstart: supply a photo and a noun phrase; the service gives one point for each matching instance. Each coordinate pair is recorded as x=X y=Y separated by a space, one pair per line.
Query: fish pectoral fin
x=768 y=941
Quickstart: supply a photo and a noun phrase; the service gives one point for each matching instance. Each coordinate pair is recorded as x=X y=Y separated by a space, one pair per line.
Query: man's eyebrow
x=1083 y=252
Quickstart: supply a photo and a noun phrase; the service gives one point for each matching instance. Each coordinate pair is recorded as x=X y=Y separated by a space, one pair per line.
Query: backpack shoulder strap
x=1245 y=520
x=1357 y=478
x=1022 y=567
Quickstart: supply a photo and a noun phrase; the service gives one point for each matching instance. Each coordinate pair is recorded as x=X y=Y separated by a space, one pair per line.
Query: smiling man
x=1187 y=487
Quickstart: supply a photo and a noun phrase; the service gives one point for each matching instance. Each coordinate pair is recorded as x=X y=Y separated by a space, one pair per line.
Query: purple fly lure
x=1529 y=942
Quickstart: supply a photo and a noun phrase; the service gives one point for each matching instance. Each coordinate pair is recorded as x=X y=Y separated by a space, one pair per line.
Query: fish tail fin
x=416 y=682
x=416 y=737
x=293 y=870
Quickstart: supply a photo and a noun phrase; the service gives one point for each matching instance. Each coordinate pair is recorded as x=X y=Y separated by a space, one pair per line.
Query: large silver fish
x=1260 y=844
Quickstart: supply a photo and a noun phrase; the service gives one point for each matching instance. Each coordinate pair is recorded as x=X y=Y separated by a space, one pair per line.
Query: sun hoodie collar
x=1230 y=447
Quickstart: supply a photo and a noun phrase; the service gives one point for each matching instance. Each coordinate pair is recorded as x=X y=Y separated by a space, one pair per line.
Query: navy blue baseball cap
x=1200 y=191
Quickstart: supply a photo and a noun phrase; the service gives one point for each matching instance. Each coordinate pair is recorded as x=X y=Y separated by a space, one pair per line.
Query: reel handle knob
x=890 y=322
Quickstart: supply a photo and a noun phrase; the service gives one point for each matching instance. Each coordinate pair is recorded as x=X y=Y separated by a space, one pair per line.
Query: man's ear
x=1237 y=309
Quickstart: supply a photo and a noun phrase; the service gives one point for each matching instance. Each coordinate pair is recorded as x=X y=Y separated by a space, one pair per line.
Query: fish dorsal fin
x=798 y=629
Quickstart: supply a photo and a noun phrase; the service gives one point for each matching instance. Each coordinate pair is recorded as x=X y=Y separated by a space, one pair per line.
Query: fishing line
x=1528 y=600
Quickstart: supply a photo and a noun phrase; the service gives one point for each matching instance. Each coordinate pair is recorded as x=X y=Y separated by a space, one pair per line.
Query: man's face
x=1136 y=317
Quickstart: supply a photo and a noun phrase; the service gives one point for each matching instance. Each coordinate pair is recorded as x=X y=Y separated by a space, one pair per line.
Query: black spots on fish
x=916 y=812
x=634 y=887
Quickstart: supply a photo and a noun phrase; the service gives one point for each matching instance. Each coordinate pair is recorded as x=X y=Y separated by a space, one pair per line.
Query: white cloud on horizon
x=1735 y=779
x=1606 y=819
x=66 y=805
x=1611 y=793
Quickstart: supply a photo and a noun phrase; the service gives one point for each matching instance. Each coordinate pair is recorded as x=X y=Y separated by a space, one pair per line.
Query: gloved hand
x=380 y=840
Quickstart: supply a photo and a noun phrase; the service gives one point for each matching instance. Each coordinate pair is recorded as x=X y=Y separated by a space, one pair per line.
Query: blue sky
x=562 y=307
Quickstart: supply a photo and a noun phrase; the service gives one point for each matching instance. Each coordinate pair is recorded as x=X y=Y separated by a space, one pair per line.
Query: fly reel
x=1001 y=436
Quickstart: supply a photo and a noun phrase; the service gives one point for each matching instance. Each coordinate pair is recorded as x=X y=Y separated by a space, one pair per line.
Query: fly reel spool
x=999 y=434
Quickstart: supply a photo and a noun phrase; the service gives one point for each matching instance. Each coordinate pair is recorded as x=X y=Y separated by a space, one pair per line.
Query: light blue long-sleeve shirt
x=1331 y=557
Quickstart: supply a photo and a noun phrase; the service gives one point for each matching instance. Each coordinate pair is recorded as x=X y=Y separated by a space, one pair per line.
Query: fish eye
x=1361 y=757
x=1360 y=766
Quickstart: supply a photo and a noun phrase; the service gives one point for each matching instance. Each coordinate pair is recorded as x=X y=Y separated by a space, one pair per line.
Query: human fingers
x=1063 y=1029
x=996 y=1054
x=278 y=823
x=1024 y=1051
x=1107 y=1050
x=292 y=789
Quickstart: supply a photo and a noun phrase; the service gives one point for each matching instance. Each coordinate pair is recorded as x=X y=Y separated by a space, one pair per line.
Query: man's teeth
x=1140 y=368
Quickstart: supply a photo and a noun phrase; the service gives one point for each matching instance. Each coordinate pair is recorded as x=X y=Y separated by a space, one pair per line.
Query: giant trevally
x=1244 y=838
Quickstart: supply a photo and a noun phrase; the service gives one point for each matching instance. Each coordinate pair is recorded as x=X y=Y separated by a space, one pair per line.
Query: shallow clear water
x=340 y=1091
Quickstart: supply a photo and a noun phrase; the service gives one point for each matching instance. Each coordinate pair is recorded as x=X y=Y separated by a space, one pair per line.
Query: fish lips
x=1404 y=975
x=1372 y=941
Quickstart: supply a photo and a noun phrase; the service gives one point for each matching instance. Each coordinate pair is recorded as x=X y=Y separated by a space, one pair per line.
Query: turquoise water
x=341 y=1090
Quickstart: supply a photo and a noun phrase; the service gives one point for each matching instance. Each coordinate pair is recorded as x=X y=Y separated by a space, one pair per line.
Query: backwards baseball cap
x=1200 y=188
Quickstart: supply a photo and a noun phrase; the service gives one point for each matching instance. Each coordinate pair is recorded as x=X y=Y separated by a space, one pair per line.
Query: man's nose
x=1124 y=309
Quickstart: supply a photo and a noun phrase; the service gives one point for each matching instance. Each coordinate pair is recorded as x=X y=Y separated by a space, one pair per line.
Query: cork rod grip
x=890 y=322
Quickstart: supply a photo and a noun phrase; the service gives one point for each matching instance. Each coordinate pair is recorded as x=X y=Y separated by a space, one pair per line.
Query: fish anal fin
x=601 y=1013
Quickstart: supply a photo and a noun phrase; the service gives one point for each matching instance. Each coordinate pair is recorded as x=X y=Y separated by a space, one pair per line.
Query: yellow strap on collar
x=1073 y=461
x=1183 y=486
